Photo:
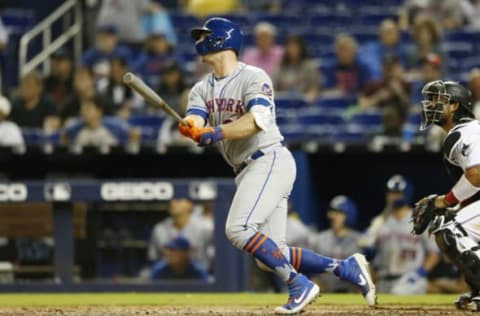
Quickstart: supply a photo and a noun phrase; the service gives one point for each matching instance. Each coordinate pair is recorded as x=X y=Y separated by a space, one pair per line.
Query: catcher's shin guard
x=462 y=250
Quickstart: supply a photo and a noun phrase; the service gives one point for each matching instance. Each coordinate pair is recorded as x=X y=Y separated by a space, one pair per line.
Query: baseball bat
x=150 y=96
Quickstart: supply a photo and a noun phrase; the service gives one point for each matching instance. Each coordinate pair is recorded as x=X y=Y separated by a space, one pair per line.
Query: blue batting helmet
x=346 y=205
x=398 y=183
x=221 y=33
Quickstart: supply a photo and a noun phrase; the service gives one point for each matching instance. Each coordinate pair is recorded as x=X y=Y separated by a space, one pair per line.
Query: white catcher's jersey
x=462 y=145
x=398 y=251
x=223 y=100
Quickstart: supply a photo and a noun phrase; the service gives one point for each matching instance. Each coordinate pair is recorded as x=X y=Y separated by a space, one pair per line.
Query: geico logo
x=145 y=191
x=13 y=192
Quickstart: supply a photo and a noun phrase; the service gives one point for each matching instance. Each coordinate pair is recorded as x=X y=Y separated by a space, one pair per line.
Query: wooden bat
x=150 y=96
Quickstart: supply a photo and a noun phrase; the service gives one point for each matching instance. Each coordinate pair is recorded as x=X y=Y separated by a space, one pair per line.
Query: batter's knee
x=238 y=235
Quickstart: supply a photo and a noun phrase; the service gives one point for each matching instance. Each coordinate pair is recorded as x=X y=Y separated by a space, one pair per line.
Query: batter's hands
x=189 y=130
x=208 y=135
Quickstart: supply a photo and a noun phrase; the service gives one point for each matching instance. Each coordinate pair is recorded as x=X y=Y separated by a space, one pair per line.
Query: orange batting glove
x=189 y=130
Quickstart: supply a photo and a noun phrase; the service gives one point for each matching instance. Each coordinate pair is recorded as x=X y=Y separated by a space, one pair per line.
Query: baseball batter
x=457 y=230
x=233 y=107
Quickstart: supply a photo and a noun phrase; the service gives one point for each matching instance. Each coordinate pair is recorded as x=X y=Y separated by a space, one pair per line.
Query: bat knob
x=128 y=77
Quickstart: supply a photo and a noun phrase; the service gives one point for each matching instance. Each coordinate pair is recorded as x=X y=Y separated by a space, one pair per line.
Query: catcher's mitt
x=424 y=212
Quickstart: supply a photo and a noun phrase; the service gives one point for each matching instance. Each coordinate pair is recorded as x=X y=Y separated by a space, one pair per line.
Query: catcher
x=454 y=218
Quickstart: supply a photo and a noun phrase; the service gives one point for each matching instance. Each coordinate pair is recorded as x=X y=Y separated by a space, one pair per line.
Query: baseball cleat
x=468 y=302
x=355 y=270
x=301 y=292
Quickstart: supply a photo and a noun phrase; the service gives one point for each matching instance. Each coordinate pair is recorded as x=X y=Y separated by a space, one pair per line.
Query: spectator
x=169 y=136
x=402 y=260
x=266 y=54
x=297 y=232
x=117 y=91
x=106 y=48
x=297 y=73
x=125 y=16
x=10 y=134
x=393 y=90
x=182 y=222
x=152 y=63
x=447 y=13
x=83 y=89
x=339 y=241
x=471 y=13
x=33 y=108
x=474 y=86
x=178 y=263
x=203 y=8
x=173 y=86
x=348 y=74
x=427 y=37
x=95 y=130
x=430 y=70
x=389 y=44
x=3 y=36
x=59 y=83
x=157 y=21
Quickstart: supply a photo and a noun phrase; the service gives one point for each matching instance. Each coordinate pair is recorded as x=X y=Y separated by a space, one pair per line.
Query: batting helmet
x=346 y=205
x=221 y=33
x=398 y=183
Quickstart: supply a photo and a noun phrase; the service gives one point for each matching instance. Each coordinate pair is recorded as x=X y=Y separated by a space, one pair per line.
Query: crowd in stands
x=342 y=72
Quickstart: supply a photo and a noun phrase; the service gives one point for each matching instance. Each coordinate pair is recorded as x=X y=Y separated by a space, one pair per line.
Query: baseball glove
x=424 y=212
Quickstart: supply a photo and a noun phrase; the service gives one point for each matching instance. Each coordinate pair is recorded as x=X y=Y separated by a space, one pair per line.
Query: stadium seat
x=18 y=21
x=374 y=19
x=469 y=63
x=334 y=103
x=33 y=136
x=290 y=102
x=367 y=119
x=306 y=119
x=293 y=132
x=348 y=137
x=142 y=120
x=338 y=20
x=458 y=50
x=283 y=22
x=414 y=118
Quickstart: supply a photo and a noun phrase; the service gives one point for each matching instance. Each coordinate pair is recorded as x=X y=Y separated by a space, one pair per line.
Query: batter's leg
x=260 y=189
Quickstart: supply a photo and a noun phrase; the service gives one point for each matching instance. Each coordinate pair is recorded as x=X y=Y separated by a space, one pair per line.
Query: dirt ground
x=330 y=310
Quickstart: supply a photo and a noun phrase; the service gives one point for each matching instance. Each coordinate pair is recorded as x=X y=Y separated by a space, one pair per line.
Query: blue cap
x=178 y=243
x=107 y=28
x=346 y=205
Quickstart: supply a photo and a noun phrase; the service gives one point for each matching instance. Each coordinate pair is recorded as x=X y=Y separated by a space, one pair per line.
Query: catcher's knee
x=447 y=242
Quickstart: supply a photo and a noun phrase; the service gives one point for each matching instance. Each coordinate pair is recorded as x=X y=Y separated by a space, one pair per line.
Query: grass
x=205 y=299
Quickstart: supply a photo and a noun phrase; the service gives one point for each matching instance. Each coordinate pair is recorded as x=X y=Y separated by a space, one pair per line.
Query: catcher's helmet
x=437 y=94
x=221 y=33
x=346 y=205
x=398 y=183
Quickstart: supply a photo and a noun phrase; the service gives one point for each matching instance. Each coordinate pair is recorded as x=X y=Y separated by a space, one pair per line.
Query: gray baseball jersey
x=328 y=244
x=264 y=184
x=198 y=231
x=398 y=251
x=222 y=100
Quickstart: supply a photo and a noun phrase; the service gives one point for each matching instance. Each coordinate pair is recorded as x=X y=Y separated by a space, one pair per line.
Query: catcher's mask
x=436 y=98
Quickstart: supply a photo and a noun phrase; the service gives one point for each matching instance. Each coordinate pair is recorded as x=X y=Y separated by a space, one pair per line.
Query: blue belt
x=254 y=156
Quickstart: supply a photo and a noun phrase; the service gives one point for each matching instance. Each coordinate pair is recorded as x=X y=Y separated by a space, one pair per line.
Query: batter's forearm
x=241 y=128
x=197 y=120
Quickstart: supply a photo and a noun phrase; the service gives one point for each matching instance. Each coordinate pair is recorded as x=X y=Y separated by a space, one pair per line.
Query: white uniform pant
x=261 y=200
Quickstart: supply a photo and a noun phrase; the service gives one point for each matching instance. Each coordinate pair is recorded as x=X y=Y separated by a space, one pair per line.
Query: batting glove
x=187 y=131
x=208 y=136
